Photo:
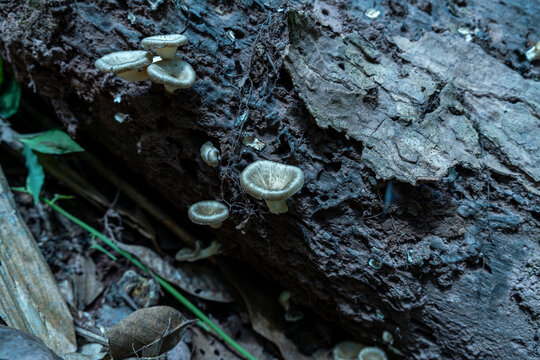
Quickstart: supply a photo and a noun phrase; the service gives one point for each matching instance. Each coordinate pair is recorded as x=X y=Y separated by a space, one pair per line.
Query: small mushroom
x=164 y=45
x=129 y=65
x=347 y=350
x=274 y=182
x=210 y=154
x=174 y=74
x=533 y=53
x=372 y=353
x=209 y=212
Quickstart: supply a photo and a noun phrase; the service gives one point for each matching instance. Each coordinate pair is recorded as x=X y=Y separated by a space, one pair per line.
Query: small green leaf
x=10 y=100
x=61 y=197
x=36 y=176
x=51 y=142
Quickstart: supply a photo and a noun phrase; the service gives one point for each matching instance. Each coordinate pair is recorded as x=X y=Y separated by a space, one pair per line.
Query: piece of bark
x=30 y=299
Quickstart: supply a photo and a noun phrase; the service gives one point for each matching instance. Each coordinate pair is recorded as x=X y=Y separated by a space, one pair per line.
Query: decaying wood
x=29 y=296
x=419 y=215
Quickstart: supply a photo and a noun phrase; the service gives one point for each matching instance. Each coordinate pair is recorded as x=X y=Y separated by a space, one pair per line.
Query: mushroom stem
x=166 y=52
x=170 y=89
x=217 y=225
x=277 y=206
x=134 y=75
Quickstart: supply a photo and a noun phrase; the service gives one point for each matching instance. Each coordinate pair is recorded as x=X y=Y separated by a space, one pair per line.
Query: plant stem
x=188 y=304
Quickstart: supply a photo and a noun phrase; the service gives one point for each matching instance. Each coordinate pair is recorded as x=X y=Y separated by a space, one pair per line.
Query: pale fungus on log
x=129 y=65
x=372 y=353
x=212 y=213
x=272 y=181
x=210 y=154
x=174 y=74
x=164 y=45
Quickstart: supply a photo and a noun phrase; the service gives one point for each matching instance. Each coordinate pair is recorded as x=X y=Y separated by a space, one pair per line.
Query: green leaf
x=10 y=100
x=51 y=142
x=61 y=197
x=36 y=176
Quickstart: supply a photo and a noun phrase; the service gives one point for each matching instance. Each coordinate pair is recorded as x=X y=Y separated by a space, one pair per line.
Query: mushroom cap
x=347 y=350
x=122 y=61
x=175 y=73
x=161 y=41
x=271 y=180
x=372 y=353
x=208 y=212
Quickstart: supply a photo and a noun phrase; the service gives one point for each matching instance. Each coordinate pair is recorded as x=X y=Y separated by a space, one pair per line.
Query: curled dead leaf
x=146 y=333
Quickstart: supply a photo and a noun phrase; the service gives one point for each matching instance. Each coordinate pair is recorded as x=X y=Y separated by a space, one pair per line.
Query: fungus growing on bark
x=129 y=65
x=534 y=52
x=210 y=154
x=372 y=353
x=164 y=45
x=212 y=213
x=274 y=182
x=174 y=74
x=347 y=350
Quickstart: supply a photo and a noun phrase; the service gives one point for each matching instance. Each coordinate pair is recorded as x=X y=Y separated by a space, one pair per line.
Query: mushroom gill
x=272 y=181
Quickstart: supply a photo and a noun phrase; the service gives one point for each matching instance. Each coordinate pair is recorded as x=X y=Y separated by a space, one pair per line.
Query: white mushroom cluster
x=139 y=65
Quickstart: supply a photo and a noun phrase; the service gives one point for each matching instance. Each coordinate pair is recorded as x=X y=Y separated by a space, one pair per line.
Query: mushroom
x=274 y=182
x=174 y=74
x=347 y=350
x=210 y=154
x=164 y=45
x=209 y=212
x=534 y=52
x=129 y=65
x=372 y=353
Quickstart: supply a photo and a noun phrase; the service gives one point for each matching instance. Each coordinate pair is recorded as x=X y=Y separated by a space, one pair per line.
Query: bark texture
x=419 y=144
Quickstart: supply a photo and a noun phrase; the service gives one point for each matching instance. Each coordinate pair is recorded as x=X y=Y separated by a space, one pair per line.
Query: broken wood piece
x=30 y=300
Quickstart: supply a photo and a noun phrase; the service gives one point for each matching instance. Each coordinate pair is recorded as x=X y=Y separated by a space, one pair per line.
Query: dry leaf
x=86 y=285
x=208 y=347
x=87 y=352
x=146 y=332
x=180 y=352
x=266 y=313
x=29 y=296
x=17 y=344
x=198 y=280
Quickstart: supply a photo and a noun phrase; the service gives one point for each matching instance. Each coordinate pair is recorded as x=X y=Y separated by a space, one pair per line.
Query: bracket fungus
x=372 y=353
x=272 y=181
x=164 y=45
x=212 y=213
x=174 y=74
x=129 y=65
x=210 y=154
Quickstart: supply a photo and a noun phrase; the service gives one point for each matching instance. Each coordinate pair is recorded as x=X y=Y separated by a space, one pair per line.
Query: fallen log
x=420 y=212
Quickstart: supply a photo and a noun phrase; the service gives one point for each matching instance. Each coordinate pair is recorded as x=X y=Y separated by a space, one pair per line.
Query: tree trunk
x=417 y=132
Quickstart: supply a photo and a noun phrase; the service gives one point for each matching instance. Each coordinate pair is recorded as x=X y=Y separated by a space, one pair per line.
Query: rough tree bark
x=417 y=133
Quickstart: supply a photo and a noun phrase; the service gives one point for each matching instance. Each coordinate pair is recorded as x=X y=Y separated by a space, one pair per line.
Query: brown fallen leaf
x=85 y=282
x=266 y=313
x=146 y=333
x=206 y=346
x=198 y=280
x=20 y=345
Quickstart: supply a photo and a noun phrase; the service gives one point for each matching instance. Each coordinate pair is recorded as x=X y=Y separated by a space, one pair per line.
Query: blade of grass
x=175 y=293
